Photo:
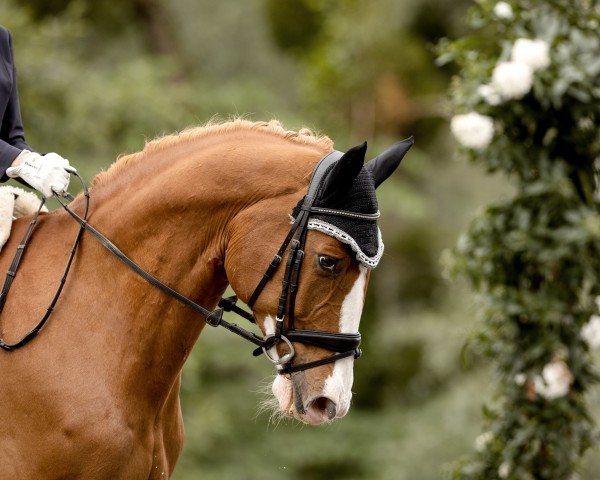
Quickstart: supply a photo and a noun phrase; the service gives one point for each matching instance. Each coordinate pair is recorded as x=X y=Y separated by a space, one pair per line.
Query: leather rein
x=341 y=344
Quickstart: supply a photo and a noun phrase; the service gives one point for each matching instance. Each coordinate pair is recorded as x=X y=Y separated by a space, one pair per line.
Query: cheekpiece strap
x=299 y=223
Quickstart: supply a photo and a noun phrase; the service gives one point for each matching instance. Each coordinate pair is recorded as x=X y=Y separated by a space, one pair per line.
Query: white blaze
x=269 y=325
x=353 y=304
x=338 y=386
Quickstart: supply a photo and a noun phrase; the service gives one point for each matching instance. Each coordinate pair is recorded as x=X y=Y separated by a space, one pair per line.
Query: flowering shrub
x=473 y=130
x=527 y=102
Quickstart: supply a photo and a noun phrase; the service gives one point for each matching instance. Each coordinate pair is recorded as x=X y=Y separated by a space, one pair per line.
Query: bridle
x=345 y=344
x=341 y=344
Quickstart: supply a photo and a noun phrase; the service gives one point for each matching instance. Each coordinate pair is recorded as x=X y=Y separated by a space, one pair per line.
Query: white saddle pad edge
x=15 y=203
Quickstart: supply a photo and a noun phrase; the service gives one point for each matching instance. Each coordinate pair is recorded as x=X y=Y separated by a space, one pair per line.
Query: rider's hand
x=46 y=173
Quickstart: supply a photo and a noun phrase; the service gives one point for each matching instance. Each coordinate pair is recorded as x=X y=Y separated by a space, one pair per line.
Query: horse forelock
x=273 y=127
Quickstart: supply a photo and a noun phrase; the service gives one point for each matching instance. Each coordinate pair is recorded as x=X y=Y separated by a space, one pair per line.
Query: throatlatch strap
x=273 y=265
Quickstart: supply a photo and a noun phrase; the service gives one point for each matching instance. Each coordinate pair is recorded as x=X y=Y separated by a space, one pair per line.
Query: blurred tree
x=529 y=103
x=365 y=62
x=419 y=281
x=41 y=9
x=150 y=17
x=295 y=25
x=75 y=75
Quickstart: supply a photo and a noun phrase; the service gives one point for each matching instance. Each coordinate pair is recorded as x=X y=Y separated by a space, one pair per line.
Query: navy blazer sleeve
x=12 y=136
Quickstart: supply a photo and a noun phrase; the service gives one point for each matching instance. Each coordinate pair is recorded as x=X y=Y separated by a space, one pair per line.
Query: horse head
x=316 y=290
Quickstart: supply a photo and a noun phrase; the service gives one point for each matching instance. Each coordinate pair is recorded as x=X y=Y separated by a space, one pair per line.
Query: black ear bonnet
x=363 y=236
x=349 y=185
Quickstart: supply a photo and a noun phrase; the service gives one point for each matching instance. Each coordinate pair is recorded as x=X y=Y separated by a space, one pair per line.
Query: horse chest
x=93 y=439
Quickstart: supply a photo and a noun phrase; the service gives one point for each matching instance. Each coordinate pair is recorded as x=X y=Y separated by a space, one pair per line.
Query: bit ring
x=283 y=359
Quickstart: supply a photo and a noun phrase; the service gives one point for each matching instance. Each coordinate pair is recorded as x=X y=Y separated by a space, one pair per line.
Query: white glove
x=46 y=174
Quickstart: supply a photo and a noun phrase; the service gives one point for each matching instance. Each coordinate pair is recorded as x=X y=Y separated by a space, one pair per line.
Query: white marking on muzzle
x=338 y=386
x=269 y=325
x=282 y=386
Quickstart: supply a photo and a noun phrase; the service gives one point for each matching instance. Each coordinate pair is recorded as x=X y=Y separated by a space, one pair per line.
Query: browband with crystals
x=343 y=213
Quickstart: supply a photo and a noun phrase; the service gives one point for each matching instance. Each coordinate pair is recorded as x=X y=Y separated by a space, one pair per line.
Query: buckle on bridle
x=283 y=359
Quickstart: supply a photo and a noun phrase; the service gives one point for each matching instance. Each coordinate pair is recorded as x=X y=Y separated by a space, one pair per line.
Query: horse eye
x=327 y=263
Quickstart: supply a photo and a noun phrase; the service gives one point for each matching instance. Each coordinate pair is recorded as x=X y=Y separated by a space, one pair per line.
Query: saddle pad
x=15 y=203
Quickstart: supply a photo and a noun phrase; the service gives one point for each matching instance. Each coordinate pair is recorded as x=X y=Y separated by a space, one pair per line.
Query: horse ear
x=384 y=164
x=346 y=169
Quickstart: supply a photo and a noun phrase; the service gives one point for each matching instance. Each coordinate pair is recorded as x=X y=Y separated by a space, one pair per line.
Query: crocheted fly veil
x=349 y=185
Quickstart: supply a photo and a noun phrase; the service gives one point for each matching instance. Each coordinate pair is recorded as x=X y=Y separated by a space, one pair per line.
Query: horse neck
x=176 y=221
x=175 y=225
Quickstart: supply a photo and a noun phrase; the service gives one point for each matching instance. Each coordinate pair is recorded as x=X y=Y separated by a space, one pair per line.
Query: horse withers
x=96 y=393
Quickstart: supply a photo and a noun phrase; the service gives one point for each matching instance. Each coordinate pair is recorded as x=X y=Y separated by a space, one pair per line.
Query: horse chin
x=283 y=392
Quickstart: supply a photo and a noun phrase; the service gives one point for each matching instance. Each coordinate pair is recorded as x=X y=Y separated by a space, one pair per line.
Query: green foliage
x=418 y=282
x=295 y=25
x=86 y=96
x=535 y=258
x=363 y=60
x=101 y=112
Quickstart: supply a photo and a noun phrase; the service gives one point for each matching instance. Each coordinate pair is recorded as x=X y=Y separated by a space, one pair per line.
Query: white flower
x=503 y=10
x=520 y=379
x=533 y=53
x=512 y=79
x=482 y=440
x=555 y=381
x=489 y=94
x=504 y=470
x=591 y=332
x=472 y=130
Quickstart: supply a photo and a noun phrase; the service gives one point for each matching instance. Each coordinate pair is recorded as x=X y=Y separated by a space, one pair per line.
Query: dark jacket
x=12 y=136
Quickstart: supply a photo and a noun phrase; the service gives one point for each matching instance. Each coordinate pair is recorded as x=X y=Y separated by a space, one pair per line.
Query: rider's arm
x=46 y=174
x=12 y=136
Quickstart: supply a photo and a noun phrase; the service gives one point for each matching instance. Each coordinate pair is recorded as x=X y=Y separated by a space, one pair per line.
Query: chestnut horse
x=96 y=394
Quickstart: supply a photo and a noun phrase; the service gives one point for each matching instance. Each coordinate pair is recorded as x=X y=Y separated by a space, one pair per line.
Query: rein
x=12 y=272
x=342 y=344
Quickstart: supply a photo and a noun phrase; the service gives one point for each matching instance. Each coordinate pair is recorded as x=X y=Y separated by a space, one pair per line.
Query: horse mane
x=273 y=127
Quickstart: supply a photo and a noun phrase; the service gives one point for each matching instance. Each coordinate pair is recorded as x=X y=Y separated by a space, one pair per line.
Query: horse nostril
x=330 y=409
x=326 y=406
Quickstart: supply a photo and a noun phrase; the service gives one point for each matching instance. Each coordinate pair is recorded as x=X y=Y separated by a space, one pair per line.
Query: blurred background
x=98 y=78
